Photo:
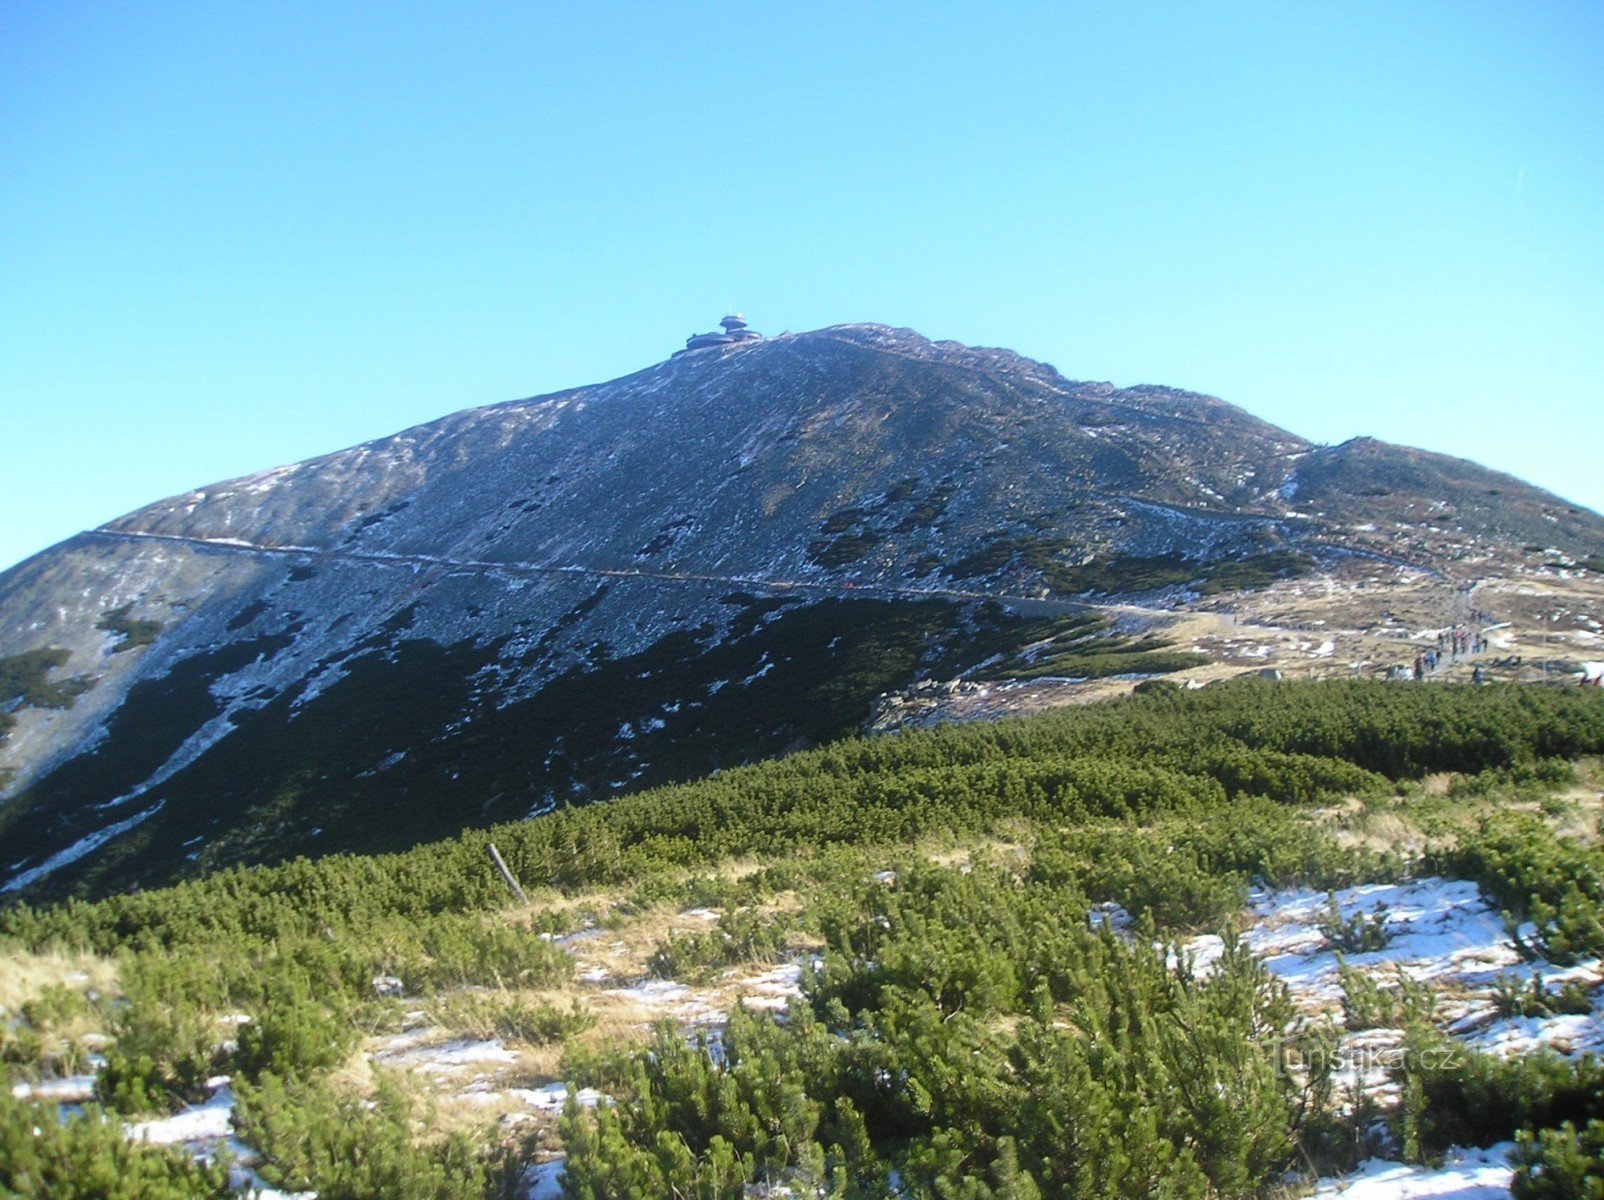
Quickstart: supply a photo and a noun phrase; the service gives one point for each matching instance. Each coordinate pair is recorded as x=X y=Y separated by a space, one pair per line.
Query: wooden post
x=495 y=857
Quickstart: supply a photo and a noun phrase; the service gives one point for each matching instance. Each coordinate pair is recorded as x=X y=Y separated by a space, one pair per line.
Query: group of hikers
x=1460 y=642
x=1453 y=644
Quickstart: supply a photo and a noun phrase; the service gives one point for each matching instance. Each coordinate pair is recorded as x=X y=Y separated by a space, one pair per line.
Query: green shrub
x=1521 y=780
x=468 y=951
x=292 y=1040
x=86 y=1156
x=1361 y=933
x=1191 y=874
x=1560 y=1164
x=347 y=1148
x=1513 y=998
x=163 y=1055
x=55 y=1006
x=1143 y=870
x=1156 y=687
x=503 y=1015
x=973 y=1032
x=740 y=936
x=1555 y=883
x=1570 y=929
x=1454 y=1095
x=1405 y=1004
x=22 y=1044
x=25 y=680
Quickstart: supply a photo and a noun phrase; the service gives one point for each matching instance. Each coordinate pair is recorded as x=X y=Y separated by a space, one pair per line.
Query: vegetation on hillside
x=384 y=756
x=25 y=682
x=131 y=632
x=969 y=1021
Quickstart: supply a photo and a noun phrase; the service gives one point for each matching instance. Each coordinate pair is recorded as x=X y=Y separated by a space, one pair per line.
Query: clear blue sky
x=239 y=234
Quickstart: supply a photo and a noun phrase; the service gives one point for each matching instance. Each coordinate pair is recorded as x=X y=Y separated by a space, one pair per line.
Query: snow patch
x=74 y=1089
x=654 y=992
x=201 y=1123
x=1464 y=1175
x=1440 y=930
x=554 y=1096
x=87 y=844
x=409 y=1050
x=544 y=1181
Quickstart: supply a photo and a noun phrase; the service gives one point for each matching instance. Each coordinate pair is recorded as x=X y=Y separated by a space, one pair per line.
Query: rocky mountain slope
x=724 y=555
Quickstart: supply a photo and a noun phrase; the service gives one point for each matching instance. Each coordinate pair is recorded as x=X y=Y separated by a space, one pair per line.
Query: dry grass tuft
x=26 y=975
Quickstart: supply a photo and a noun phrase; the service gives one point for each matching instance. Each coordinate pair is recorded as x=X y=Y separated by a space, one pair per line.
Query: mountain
x=728 y=554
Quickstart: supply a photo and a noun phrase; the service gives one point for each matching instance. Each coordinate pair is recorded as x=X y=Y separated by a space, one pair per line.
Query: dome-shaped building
x=735 y=327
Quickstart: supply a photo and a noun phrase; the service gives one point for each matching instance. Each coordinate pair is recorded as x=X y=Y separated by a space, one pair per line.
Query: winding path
x=416 y=562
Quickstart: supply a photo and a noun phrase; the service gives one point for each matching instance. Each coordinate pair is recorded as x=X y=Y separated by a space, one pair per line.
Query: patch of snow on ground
x=74 y=1089
x=1569 y=1035
x=1441 y=930
x=1362 y=1067
x=543 y=1181
x=588 y=934
x=200 y=1124
x=1464 y=1175
x=410 y=1050
x=654 y=991
x=553 y=1096
x=249 y=1183
x=773 y=990
x=203 y=1130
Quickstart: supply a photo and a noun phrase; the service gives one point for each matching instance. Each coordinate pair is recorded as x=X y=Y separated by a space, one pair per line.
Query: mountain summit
x=724 y=555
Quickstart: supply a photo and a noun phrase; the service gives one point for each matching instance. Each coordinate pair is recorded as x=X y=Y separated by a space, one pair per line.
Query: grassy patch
x=843 y=550
x=131 y=632
x=1082 y=647
x=25 y=680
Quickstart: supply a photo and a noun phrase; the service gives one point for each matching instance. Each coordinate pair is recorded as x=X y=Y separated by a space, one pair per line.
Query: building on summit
x=735 y=331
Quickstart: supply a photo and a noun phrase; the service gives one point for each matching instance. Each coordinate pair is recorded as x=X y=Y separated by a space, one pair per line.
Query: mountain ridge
x=592 y=577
